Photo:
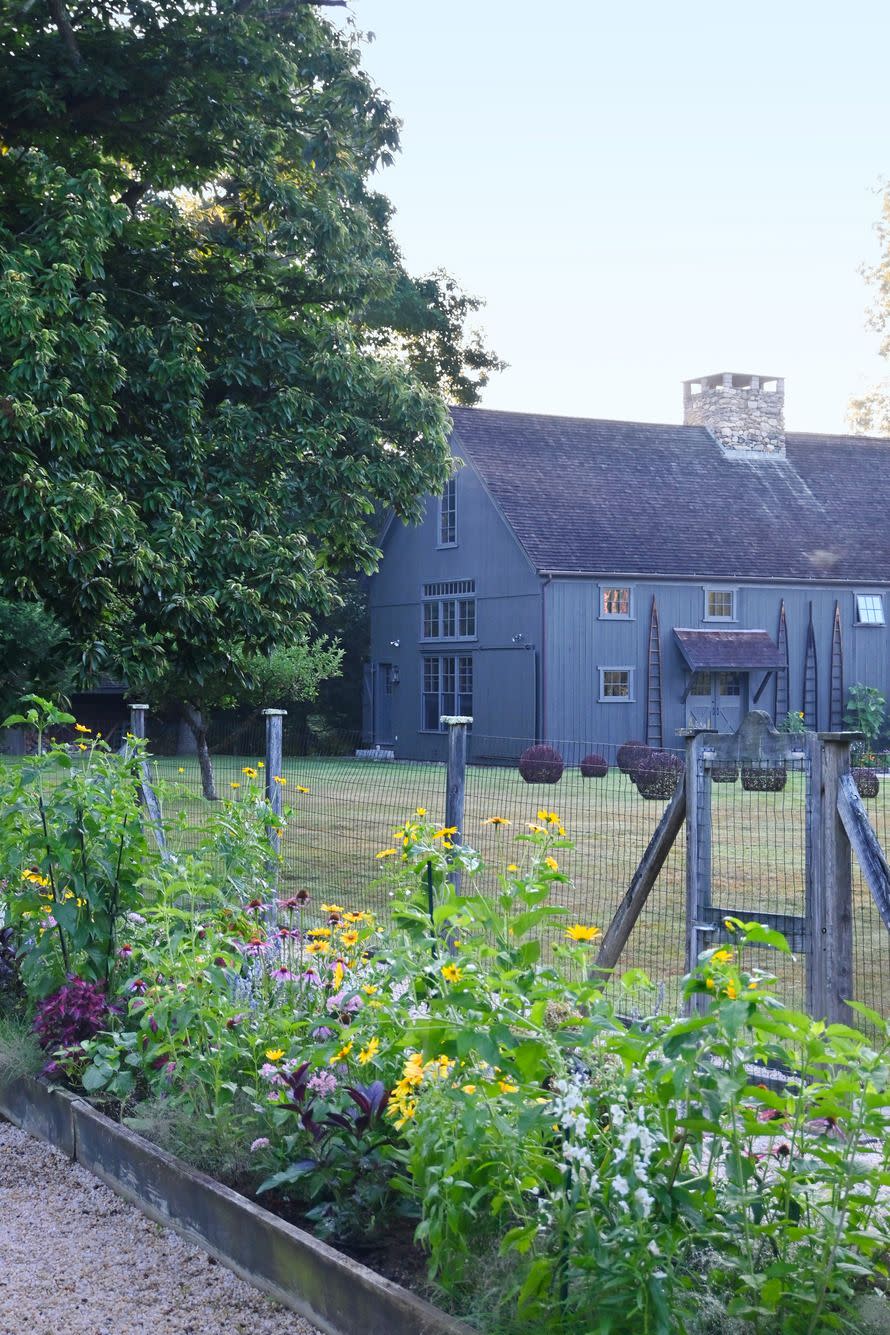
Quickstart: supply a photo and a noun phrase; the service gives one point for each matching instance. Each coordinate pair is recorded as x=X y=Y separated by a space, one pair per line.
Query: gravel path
x=77 y=1260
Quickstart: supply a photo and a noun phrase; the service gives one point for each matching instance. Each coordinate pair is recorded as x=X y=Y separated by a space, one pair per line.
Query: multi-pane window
x=719 y=604
x=615 y=601
x=448 y=514
x=447 y=689
x=700 y=684
x=616 y=683
x=449 y=610
x=869 y=609
x=729 y=683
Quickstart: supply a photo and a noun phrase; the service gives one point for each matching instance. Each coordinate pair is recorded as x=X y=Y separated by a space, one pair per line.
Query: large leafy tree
x=214 y=368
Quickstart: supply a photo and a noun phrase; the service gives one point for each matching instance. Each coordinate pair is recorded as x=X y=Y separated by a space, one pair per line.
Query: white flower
x=620 y=1186
x=653 y=1248
x=644 y=1200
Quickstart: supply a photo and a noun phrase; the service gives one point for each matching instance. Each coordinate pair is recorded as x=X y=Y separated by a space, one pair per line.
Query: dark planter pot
x=658 y=775
x=594 y=767
x=630 y=755
x=866 y=781
x=724 y=774
x=541 y=764
x=766 y=779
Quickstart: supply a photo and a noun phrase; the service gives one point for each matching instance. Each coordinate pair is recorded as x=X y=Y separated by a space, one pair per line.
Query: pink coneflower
x=139 y=986
x=125 y=952
x=255 y=946
x=282 y=975
x=256 y=906
x=234 y=1021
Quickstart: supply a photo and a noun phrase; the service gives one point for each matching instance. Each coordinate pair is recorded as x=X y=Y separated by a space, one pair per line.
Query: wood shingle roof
x=587 y=496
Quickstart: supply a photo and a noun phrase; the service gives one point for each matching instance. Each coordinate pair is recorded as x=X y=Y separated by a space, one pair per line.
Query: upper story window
x=869 y=609
x=449 y=610
x=448 y=514
x=720 y=605
x=616 y=601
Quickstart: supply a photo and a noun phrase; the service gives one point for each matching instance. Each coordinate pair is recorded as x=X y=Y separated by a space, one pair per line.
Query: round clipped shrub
x=764 y=778
x=657 y=774
x=866 y=781
x=630 y=754
x=724 y=773
x=594 y=766
x=541 y=764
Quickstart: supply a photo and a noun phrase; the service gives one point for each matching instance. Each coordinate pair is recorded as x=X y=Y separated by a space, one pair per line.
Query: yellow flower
x=722 y=956
x=752 y=986
x=369 y=1053
x=338 y=975
x=369 y=989
x=543 y=815
x=709 y=983
x=332 y=908
x=349 y=938
x=274 y=1054
x=182 y=769
x=551 y=863
x=535 y=829
x=451 y=973
x=261 y=764
x=731 y=991
x=301 y=789
x=578 y=932
x=468 y=1089
x=79 y=727
x=421 y=811
x=318 y=948
x=386 y=853
x=319 y=931
x=495 y=820
x=280 y=832
x=251 y=773
x=277 y=778
x=234 y=785
x=506 y=1088
x=82 y=746
x=445 y=831
x=339 y=1056
x=357 y=917
x=512 y=867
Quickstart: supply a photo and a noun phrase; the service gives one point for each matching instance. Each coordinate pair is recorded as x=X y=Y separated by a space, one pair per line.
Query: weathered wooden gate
x=836 y=825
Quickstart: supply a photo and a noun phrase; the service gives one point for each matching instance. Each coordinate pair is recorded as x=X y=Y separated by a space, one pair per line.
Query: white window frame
x=629 y=615
x=444 y=703
x=707 y=590
x=869 y=593
x=628 y=699
x=450 y=490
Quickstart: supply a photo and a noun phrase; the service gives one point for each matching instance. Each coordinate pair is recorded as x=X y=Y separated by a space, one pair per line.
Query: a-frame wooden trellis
x=654 y=706
x=783 y=703
x=810 y=678
x=836 y=693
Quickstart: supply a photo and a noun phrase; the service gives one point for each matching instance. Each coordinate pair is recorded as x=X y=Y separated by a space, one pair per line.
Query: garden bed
x=338 y=1294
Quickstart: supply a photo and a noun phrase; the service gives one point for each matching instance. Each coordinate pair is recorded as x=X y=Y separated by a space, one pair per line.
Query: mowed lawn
x=353 y=807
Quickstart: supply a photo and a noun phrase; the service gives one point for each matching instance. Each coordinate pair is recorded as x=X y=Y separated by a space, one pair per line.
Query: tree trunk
x=198 y=728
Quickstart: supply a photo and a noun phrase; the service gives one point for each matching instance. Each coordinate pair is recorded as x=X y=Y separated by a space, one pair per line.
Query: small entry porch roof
x=728 y=650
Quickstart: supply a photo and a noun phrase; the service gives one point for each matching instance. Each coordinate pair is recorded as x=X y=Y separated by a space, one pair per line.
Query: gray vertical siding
x=508 y=605
x=579 y=643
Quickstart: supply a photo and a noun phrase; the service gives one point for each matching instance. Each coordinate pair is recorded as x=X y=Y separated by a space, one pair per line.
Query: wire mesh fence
x=353 y=805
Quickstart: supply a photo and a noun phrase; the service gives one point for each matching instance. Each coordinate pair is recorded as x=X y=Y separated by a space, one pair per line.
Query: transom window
x=615 y=601
x=448 y=514
x=869 y=609
x=719 y=604
x=616 y=683
x=447 y=689
x=447 y=613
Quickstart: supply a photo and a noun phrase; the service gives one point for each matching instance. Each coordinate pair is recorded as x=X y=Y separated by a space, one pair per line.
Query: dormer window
x=869 y=609
x=448 y=514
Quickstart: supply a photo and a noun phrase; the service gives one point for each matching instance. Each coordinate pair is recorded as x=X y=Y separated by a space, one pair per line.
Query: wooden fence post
x=274 y=754
x=138 y=715
x=698 y=848
x=829 y=890
x=456 y=774
x=137 y=720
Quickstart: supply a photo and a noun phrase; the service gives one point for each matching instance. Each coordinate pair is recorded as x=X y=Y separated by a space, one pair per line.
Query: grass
x=20 y=1053
x=758 y=849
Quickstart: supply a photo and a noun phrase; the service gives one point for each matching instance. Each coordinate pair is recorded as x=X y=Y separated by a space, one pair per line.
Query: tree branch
x=63 y=23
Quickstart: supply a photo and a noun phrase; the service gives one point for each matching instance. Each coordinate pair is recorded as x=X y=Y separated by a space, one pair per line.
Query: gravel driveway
x=77 y=1260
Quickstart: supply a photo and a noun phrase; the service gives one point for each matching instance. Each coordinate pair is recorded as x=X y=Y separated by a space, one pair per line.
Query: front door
x=715 y=700
x=382 y=684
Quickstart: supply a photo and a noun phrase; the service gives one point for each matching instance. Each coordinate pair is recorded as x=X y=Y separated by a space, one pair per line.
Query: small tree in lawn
x=215 y=370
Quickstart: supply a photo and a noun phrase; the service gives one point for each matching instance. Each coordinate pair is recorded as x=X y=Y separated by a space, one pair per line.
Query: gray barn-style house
x=585 y=582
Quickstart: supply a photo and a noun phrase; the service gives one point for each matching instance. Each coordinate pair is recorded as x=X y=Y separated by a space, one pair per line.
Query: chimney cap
x=733 y=380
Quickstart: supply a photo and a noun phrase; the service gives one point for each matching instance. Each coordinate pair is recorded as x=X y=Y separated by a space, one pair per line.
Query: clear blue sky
x=645 y=192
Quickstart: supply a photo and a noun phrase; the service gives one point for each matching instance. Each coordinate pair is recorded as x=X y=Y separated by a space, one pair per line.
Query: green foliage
x=20 y=1052
x=793 y=722
x=865 y=712
x=34 y=653
x=216 y=370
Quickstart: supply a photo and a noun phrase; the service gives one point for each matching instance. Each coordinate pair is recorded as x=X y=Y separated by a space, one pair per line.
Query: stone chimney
x=739 y=411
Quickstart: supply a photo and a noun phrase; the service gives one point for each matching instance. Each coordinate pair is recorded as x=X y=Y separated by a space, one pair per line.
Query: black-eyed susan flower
x=274 y=1054
x=79 y=727
x=234 y=785
x=249 y=771
x=280 y=780
x=341 y=1055
x=369 y=1052
x=445 y=831
x=496 y=820
x=301 y=788
x=451 y=973
x=551 y=863
x=386 y=853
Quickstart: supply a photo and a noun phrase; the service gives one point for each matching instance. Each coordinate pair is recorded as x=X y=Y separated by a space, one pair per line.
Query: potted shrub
x=594 y=766
x=657 y=774
x=541 y=764
x=764 y=778
x=866 y=781
x=724 y=773
x=630 y=754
